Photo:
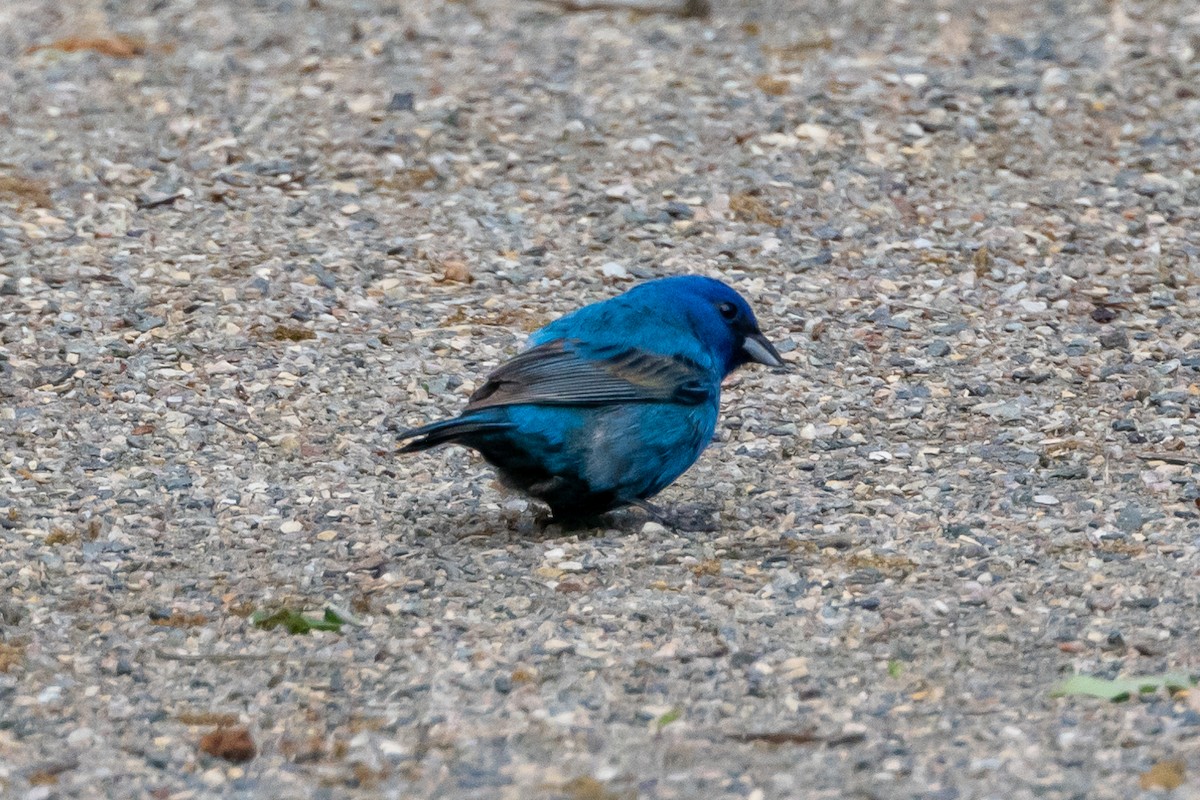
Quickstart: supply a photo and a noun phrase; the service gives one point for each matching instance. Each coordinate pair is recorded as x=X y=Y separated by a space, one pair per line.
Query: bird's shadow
x=542 y=526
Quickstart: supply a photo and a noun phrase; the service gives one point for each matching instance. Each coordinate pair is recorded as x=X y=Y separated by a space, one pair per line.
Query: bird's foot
x=684 y=519
x=552 y=526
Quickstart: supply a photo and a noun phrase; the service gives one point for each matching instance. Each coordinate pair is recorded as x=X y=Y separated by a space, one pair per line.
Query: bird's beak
x=759 y=350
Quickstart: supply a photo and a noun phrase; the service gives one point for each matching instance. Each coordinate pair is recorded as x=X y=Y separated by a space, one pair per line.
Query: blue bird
x=613 y=402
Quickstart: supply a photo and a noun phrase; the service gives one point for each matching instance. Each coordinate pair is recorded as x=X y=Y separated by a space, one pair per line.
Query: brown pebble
x=456 y=271
x=231 y=744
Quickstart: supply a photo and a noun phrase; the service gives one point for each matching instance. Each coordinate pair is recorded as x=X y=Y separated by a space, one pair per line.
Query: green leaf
x=1120 y=689
x=894 y=667
x=296 y=623
x=669 y=717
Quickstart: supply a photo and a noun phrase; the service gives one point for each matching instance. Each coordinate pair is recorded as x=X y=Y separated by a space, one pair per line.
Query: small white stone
x=614 y=270
x=814 y=133
x=80 y=737
x=291 y=526
x=361 y=104
x=1045 y=500
x=390 y=747
x=1012 y=733
x=796 y=667
x=1055 y=78
x=213 y=777
x=607 y=773
x=556 y=647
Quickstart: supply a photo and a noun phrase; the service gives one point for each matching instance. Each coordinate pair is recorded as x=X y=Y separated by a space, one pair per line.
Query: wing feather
x=561 y=372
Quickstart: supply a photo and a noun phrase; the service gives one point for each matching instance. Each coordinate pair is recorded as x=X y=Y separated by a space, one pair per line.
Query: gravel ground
x=241 y=247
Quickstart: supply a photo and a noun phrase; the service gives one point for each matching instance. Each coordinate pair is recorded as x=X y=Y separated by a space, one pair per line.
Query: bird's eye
x=728 y=310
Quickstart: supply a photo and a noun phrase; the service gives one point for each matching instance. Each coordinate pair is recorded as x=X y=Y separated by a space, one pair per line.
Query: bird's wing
x=560 y=373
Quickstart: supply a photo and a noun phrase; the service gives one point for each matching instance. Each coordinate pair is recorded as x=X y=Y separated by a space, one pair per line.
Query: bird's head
x=720 y=317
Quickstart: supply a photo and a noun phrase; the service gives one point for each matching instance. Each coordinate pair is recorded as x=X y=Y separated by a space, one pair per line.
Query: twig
x=213 y=417
x=806 y=736
x=1169 y=458
x=55 y=768
x=243 y=431
x=688 y=9
x=154 y=202
x=221 y=658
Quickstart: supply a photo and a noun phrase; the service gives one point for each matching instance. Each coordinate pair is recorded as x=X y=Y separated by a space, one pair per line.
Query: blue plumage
x=613 y=402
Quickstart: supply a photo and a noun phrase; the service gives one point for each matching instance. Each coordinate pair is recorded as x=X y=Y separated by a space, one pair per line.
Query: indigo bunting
x=613 y=402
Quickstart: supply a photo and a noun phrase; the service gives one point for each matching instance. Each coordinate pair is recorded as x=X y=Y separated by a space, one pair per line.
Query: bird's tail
x=460 y=429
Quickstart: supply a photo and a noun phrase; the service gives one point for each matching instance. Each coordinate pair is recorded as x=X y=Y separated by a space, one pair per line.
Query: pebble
x=1130 y=519
x=938 y=348
x=144 y=323
x=556 y=647
x=794 y=668
x=614 y=270
x=51 y=694
x=1114 y=338
x=81 y=737
x=401 y=101
x=1007 y=411
x=213 y=777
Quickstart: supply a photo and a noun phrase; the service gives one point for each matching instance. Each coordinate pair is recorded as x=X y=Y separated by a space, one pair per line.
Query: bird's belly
x=588 y=460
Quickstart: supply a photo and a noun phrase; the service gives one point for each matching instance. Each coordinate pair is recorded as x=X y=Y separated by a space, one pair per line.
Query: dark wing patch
x=555 y=373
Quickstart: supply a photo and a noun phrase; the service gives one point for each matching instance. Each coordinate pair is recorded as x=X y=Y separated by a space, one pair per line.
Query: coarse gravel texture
x=232 y=264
